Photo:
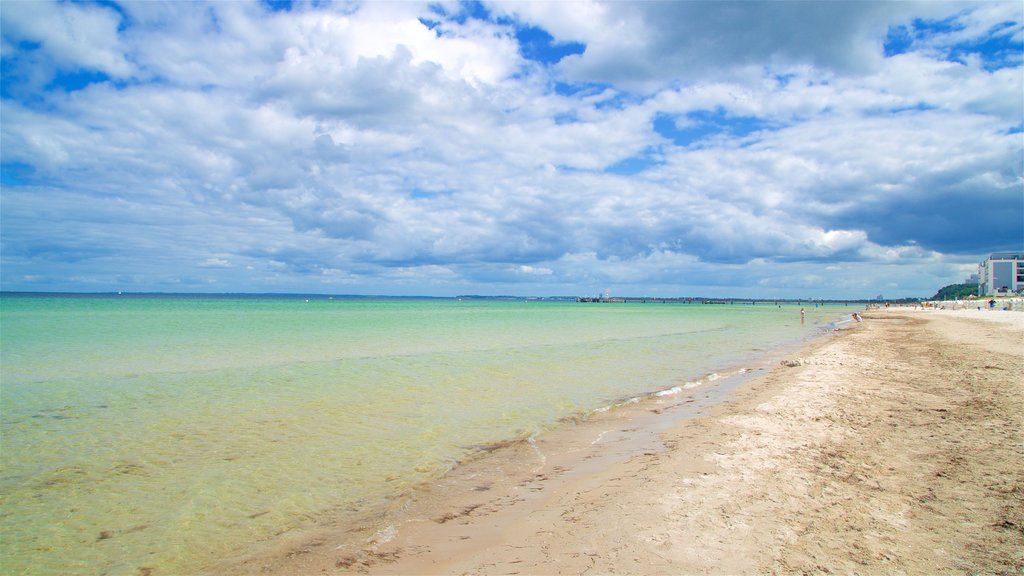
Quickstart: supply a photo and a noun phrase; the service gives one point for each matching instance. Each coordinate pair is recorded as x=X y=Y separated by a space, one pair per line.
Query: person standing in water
x=802 y=315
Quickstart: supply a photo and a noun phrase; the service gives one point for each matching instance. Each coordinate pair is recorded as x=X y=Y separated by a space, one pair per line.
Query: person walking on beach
x=802 y=315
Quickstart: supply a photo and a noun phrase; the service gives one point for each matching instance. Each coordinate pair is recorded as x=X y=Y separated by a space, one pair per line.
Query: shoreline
x=580 y=445
x=812 y=464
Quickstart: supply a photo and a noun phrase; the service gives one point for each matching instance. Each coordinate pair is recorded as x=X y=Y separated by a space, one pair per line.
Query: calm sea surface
x=173 y=432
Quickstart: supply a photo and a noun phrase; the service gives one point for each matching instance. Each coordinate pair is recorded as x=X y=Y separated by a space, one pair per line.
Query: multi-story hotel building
x=1002 y=273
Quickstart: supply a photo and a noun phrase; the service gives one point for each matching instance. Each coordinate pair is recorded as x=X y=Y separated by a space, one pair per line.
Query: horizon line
x=612 y=299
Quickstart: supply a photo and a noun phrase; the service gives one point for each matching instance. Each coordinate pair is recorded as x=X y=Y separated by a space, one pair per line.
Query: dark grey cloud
x=959 y=218
x=690 y=41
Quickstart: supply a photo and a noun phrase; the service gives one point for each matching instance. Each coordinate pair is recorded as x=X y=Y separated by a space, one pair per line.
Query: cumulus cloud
x=400 y=147
x=647 y=44
x=63 y=37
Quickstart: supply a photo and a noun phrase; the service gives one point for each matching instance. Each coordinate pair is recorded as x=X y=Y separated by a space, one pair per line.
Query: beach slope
x=893 y=447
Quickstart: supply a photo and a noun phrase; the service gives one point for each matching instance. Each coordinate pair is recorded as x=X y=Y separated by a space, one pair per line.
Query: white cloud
x=215 y=263
x=73 y=36
x=567 y=21
x=533 y=270
x=354 y=145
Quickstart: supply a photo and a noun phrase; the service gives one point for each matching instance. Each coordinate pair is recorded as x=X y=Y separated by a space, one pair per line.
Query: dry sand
x=893 y=447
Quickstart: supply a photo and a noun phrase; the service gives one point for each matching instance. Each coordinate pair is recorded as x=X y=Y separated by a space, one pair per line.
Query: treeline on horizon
x=956 y=292
x=507 y=297
x=950 y=292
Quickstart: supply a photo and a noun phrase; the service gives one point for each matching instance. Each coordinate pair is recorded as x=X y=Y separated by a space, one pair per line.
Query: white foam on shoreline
x=532 y=441
x=383 y=536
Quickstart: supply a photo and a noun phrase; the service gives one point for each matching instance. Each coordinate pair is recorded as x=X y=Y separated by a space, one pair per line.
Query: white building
x=1002 y=273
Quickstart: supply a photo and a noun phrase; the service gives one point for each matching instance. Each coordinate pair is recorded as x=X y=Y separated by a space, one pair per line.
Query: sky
x=733 y=149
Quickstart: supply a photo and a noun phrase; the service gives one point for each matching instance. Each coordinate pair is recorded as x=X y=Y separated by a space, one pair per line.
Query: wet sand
x=893 y=447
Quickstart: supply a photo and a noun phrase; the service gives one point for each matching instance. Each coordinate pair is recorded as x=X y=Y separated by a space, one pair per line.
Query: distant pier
x=740 y=301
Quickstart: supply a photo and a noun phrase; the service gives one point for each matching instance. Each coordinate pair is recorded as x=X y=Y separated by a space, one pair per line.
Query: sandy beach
x=894 y=446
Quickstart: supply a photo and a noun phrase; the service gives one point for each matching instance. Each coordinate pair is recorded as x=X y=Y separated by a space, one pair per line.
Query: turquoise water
x=165 y=434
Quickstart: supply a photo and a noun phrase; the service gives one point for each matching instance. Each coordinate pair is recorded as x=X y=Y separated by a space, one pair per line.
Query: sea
x=160 y=434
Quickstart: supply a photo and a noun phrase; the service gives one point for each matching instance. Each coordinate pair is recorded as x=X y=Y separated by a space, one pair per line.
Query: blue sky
x=775 y=149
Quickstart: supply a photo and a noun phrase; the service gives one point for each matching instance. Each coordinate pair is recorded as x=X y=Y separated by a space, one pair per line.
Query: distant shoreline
x=461 y=297
x=712 y=300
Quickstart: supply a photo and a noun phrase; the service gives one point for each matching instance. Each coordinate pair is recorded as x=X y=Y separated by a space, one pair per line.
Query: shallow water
x=170 y=433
